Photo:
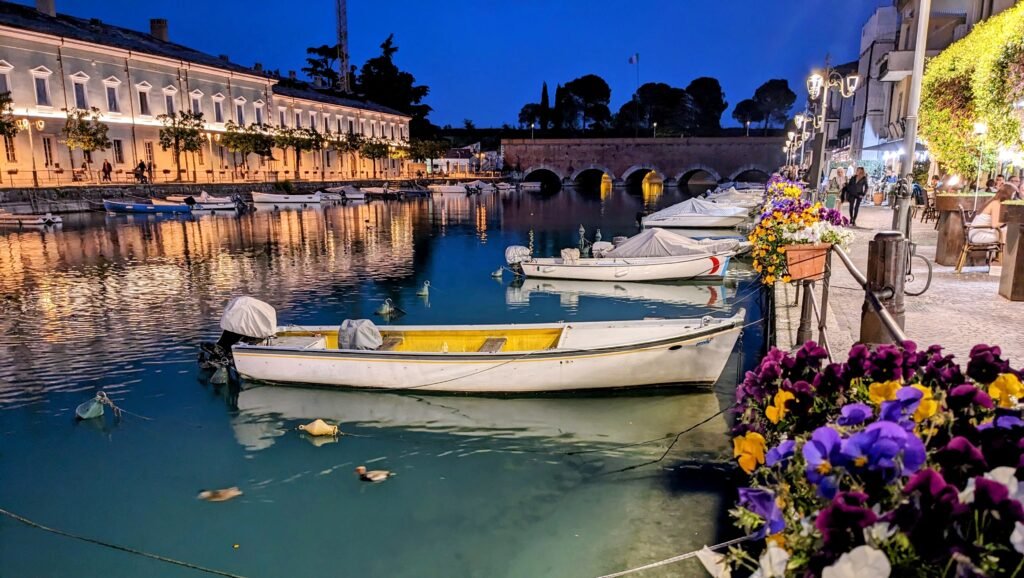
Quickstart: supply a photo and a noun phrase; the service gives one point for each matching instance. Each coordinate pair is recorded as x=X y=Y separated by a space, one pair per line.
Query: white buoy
x=425 y=290
x=498 y=273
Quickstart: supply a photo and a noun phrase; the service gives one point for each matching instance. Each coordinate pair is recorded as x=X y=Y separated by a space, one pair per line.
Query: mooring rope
x=157 y=557
x=678 y=558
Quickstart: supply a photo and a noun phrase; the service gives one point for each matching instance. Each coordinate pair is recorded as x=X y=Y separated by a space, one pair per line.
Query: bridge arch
x=685 y=174
x=543 y=167
x=645 y=167
x=760 y=172
x=592 y=167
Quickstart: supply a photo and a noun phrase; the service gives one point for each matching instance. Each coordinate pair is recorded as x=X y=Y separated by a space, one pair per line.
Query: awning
x=893 y=146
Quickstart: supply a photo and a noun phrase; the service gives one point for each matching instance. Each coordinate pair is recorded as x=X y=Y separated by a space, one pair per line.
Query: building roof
x=847 y=68
x=319 y=96
x=97 y=32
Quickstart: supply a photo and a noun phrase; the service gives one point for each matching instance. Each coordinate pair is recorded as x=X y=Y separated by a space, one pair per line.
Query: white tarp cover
x=249 y=317
x=359 y=334
x=658 y=242
x=601 y=248
x=516 y=254
x=696 y=207
x=570 y=255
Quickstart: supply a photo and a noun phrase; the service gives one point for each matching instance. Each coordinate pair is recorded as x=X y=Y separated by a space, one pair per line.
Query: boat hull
x=27 y=220
x=445 y=189
x=144 y=208
x=678 y=351
x=697 y=222
x=274 y=198
x=199 y=206
x=637 y=269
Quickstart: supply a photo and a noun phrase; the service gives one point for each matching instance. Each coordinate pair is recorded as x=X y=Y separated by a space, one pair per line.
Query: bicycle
x=903 y=190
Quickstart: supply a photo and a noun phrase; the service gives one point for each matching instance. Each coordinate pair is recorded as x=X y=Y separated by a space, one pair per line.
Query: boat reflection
x=569 y=292
x=602 y=424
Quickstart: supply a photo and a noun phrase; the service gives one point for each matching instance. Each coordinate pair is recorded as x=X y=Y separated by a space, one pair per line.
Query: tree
x=296 y=139
x=529 y=114
x=84 y=131
x=425 y=150
x=181 y=132
x=374 y=149
x=469 y=125
x=382 y=82
x=320 y=64
x=709 y=99
x=656 y=102
x=8 y=124
x=349 y=143
x=774 y=98
x=748 y=111
x=544 y=112
x=588 y=97
x=561 y=115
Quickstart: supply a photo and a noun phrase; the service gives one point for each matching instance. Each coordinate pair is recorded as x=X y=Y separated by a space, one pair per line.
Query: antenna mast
x=342 y=13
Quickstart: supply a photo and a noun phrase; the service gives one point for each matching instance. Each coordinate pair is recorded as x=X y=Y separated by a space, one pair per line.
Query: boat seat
x=390 y=343
x=493 y=344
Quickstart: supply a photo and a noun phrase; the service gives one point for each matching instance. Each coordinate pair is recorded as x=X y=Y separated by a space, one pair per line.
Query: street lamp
x=748 y=128
x=26 y=125
x=533 y=125
x=820 y=84
x=655 y=134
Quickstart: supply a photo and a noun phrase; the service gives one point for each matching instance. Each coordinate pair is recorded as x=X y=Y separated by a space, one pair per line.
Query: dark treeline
x=581 y=107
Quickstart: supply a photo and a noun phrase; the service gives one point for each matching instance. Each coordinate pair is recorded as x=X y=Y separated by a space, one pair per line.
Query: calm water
x=486 y=487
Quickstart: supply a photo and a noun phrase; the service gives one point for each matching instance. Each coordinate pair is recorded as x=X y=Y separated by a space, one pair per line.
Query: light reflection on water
x=486 y=486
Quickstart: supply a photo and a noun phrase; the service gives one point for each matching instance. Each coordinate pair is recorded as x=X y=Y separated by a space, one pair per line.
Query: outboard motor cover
x=250 y=317
x=516 y=254
x=358 y=334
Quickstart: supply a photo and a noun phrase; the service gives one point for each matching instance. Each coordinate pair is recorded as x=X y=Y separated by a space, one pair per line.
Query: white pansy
x=820 y=232
x=861 y=562
x=714 y=563
x=967 y=494
x=1017 y=537
x=879 y=533
x=1004 y=475
x=772 y=563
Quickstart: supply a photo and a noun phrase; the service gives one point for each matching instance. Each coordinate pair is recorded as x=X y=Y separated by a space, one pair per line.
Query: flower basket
x=806 y=261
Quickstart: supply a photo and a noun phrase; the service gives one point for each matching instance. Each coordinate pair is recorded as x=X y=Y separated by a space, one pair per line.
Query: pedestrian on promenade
x=140 y=172
x=149 y=171
x=106 y=170
x=855 y=191
x=837 y=186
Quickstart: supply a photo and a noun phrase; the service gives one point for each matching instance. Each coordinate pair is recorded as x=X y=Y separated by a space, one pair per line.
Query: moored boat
x=446 y=189
x=569 y=292
x=204 y=201
x=28 y=220
x=697 y=214
x=281 y=198
x=146 y=208
x=543 y=357
x=345 y=192
x=531 y=186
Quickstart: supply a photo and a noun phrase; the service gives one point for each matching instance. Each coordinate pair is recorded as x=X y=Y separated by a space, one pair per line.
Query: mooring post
x=803 y=332
x=887 y=258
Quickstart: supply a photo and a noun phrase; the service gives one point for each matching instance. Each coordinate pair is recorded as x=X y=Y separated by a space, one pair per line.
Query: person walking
x=106 y=170
x=837 y=186
x=855 y=191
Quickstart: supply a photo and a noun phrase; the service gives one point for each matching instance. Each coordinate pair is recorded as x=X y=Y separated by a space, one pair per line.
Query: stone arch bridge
x=675 y=160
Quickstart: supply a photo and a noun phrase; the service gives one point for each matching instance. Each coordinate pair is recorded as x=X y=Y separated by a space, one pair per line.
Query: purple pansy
x=886 y=448
x=932 y=507
x=762 y=503
x=986 y=364
x=967 y=397
x=901 y=409
x=842 y=522
x=960 y=460
x=854 y=414
x=822 y=455
x=780 y=453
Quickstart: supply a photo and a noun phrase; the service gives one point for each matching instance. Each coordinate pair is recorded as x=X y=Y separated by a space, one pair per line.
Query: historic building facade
x=52 y=64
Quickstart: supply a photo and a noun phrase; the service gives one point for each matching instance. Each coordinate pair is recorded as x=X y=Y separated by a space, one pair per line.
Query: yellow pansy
x=777 y=410
x=1006 y=389
x=778 y=538
x=749 y=449
x=883 y=391
x=786 y=278
x=782 y=250
x=928 y=405
x=769 y=279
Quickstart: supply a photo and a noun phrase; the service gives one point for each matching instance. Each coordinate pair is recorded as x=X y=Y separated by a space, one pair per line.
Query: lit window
x=218 y=111
x=80 y=100
x=113 y=102
x=118 y=147
x=9 y=149
x=144 y=104
x=42 y=91
x=240 y=114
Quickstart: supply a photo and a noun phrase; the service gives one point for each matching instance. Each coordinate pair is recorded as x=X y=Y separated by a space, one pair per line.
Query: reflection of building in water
x=606 y=186
x=651 y=189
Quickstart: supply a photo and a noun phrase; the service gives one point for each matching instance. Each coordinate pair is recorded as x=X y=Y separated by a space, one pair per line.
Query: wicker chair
x=930 y=212
x=992 y=250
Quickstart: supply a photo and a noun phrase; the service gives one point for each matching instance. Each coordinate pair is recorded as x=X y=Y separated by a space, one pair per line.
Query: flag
x=635 y=59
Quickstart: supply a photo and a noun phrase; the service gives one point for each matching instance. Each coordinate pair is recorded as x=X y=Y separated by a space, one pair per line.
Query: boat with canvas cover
x=507 y=358
x=202 y=202
x=344 y=192
x=144 y=208
x=697 y=214
x=286 y=199
x=712 y=296
x=28 y=220
x=447 y=189
x=653 y=255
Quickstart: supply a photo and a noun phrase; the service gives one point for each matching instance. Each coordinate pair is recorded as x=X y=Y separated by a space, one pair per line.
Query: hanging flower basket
x=806 y=261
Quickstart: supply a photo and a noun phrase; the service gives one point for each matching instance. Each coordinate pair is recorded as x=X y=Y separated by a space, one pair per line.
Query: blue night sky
x=484 y=59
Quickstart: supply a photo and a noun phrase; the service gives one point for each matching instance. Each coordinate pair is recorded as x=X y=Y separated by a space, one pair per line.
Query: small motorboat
x=654 y=255
x=713 y=296
x=531 y=186
x=343 y=193
x=28 y=220
x=697 y=214
x=286 y=199
x=503 y=186
x=201 y=202
x=514 y=358
x=447 y=189
x=146 y=208
x=480 y=186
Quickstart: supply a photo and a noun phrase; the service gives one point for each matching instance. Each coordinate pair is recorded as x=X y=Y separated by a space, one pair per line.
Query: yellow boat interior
x=449 y=340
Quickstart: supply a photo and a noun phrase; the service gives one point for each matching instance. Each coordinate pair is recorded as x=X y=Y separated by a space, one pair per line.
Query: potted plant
x=791 y=238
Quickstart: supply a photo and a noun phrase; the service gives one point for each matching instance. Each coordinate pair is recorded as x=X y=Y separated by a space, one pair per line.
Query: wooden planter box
x=806 y=262
x=1011 y=280
x=951 y=227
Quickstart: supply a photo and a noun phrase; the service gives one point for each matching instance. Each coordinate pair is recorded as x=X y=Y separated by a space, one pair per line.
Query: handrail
x=873 y=298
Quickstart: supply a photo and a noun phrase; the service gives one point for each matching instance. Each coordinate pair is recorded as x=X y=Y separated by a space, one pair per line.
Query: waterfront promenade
x=958 y=311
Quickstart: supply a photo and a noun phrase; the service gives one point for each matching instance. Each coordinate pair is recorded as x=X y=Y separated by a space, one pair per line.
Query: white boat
x=697 y=214
x=202 y=202
x=346 y=192
x=531 y=186
x=28 y=220
x=481 y=186
x=653 y=255
x=503 y=186
x=544 y=357
x=569 y=292
x=280 y=198
x=734 y=198
x=445 y=189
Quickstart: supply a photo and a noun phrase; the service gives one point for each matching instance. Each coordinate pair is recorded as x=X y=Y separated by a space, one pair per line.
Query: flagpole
x=636 y=125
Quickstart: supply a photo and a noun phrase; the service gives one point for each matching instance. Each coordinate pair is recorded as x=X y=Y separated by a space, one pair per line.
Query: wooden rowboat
x=525 y=358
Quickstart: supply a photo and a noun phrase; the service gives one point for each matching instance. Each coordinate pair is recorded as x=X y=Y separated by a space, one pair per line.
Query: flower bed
x=895 y=462
x=788 y=221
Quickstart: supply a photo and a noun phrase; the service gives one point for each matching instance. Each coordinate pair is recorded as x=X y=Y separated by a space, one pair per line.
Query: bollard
x=803 y=331
x=887 y=259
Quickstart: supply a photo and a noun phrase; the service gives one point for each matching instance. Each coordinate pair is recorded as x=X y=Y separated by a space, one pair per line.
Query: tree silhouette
x=748 y=111
x=381 y=81
x=589 y=96
x=545 y=107
x=320 y=64
x=775 y=99
x=709 y=99
x=181 y=132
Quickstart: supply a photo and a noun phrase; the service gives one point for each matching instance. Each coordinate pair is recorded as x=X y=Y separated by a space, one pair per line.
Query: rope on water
x=674 y=441
x=157 y=557
x=678 y=558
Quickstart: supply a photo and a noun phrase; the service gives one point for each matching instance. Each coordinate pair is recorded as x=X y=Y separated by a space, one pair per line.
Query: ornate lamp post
x=820 y=84
x=26 y=125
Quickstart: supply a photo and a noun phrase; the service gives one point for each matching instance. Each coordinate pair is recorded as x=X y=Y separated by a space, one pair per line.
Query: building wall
x=63 y=63
x=871 y=101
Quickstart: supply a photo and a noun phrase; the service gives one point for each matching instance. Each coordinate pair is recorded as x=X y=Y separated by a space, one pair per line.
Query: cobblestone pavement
x=957 y=311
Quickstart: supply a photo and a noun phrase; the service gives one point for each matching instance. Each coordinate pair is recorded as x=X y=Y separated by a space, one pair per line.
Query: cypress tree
x=545 y=107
